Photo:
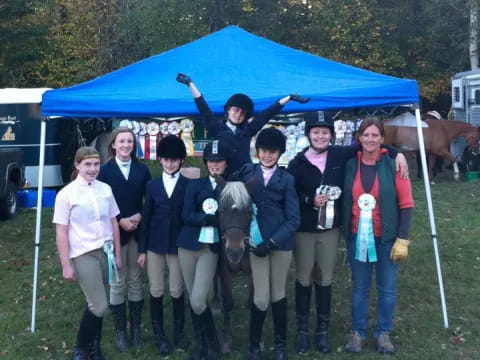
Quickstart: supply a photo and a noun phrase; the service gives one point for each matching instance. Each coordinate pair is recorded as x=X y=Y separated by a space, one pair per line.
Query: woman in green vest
x=377 y=213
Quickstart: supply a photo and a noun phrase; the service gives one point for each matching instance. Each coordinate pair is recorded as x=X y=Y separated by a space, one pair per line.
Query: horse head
x=235 y=211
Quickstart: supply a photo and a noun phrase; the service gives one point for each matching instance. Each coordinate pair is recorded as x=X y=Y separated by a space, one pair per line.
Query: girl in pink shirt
x=86 y=224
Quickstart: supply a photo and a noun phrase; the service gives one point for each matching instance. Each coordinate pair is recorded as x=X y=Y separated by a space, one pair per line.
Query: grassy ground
x=419 y=331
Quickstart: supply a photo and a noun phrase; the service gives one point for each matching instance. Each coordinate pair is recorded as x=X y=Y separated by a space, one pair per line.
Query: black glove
x=262 y=249
x=184 y=79
x=297 y=98
x=211 y=220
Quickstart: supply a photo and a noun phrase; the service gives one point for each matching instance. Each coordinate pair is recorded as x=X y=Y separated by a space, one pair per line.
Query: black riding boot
x=213 y=345
x=323 y=296
x=94 y=348
x=120 y=322
x=257 y=318
x=302 y=308
x=136 y=310
x=84 y=336
x=179 y=340
x=159 y=337
x=199 y=350
x=279 y=310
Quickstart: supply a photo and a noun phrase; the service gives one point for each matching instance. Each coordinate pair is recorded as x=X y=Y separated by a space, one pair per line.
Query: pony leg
x=215 y=304
x=226 y=288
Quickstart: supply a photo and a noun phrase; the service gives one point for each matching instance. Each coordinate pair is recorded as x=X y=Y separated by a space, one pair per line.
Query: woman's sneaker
x=384 y=345
x=355 y=342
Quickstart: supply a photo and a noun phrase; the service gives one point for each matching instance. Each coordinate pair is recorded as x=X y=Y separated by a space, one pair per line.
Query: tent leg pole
x=41 y=163
x=428 y=193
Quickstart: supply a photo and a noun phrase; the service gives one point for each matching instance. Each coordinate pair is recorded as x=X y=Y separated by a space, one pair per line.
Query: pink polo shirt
x=87 y=209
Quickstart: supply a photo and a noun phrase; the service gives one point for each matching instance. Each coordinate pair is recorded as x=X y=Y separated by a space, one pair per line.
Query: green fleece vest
x=389 y=211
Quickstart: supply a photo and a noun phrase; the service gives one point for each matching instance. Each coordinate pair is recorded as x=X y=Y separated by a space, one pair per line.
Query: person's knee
x=198 y=306
x=261 y=303
x=99 y=309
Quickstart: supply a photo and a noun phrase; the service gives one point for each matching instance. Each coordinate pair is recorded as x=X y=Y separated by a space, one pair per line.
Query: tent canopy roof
x=228 y=61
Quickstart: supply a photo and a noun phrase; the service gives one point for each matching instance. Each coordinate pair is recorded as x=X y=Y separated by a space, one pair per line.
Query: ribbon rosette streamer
x=365 y=247
x=209 y=234
x=112 y=265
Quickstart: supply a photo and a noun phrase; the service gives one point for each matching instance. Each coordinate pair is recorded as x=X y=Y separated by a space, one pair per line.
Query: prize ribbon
x=365 y=246
x=112 y=265
x=209 y=234
x=255 y=235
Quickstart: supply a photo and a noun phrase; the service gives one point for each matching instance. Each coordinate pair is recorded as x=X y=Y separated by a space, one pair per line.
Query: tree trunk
x=473 y=44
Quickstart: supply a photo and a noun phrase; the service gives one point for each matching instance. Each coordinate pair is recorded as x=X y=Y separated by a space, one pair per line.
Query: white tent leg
x=430 y=214
x=41 y=163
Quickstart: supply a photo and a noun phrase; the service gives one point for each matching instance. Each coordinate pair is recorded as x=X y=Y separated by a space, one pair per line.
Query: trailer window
x=456 y=94
x=477 y=97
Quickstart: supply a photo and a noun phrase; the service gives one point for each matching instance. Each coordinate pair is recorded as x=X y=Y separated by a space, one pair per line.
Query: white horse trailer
x=20 y=119
x=466 y=97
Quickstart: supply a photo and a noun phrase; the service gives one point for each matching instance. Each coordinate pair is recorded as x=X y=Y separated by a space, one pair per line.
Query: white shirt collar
x=231 y=126
x=213 y=182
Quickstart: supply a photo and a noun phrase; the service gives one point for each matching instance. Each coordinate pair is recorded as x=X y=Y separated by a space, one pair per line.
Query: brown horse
x=437 y=138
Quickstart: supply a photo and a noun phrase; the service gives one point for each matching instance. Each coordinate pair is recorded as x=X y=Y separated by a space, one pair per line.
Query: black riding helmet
x=217 y=150
x=171 y=147
x=312 y=120
x=271 y=139
x=241 y=101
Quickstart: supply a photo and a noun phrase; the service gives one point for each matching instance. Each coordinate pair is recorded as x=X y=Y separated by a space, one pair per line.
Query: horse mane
x=235 y=194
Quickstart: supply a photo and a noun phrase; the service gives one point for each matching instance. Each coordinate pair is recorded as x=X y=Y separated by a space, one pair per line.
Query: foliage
x=63 y=42
x=22 y=38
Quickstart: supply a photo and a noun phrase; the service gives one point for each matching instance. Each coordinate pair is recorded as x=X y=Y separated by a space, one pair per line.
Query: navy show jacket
x=162 y=218
x=129 y=193
x=278 y=213
x=193 y=215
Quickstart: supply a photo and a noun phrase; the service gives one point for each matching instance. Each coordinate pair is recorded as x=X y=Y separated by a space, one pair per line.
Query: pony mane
x=235 y=194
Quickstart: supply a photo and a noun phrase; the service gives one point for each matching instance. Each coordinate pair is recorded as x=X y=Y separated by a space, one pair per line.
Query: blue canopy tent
x=228 y=61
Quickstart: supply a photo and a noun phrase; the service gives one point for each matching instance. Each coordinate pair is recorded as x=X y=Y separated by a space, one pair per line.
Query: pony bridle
x=245 y=230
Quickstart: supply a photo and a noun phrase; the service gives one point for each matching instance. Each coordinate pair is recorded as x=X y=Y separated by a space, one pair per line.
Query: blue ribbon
x=112 y=265
x=207 y=238
x=255 y=235
x=365 y=246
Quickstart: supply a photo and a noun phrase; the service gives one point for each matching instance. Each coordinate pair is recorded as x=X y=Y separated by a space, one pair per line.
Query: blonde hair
x=113 y=137
x=85 y=152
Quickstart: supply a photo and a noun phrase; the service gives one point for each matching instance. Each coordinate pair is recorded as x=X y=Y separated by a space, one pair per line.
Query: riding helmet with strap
x=171 y=147
x=217 y=150
x=271 y=139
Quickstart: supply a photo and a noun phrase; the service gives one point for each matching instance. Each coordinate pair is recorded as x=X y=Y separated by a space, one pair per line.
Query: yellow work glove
x=399 y=250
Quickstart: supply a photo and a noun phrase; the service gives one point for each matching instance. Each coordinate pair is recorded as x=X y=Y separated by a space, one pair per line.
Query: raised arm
x=262 y=118
x=212 y=124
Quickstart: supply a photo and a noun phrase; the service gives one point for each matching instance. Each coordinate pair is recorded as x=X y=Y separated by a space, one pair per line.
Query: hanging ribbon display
x=112 y=265
x=209 y=234
x=365 y=245
x=255 y=235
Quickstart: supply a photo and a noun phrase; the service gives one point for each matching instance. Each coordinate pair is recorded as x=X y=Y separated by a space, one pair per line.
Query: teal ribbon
x=365 y=246
x=207 y=233
x=255 y=235
x=112 y=265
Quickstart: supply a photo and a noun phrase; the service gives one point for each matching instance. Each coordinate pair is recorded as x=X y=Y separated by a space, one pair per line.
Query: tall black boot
x=279 y=310
x=257 y=318
x=94 y=348
x=302 y=309
x=323 y=296
x=199 y=350
x=159 y=337
x=136 y=310
x=120 y=322
x=213 y=345
x=84 y=337
x=179 y=340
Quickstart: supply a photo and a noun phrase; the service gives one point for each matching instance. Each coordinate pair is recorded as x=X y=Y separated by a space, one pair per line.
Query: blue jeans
x=386 y=276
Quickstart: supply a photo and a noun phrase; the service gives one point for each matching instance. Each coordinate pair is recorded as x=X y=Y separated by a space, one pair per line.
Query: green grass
x=418 y=334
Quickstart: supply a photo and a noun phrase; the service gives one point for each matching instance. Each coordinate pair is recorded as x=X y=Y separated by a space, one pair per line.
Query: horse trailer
x=20 y=119
x=466 y=97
